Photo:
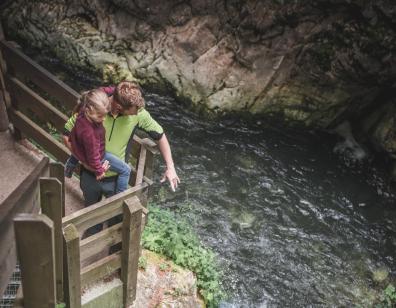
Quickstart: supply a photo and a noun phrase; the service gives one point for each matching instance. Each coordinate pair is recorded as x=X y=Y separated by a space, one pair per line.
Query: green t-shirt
x=120 y=129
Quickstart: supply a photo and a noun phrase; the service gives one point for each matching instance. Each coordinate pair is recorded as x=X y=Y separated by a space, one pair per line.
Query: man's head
x=128 y=96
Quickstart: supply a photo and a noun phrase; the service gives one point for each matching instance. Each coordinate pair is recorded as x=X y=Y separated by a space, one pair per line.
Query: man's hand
x=66 y=141
x=171 y=176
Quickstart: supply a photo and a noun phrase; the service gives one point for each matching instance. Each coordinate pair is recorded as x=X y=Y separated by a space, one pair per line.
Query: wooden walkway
x=18 y=160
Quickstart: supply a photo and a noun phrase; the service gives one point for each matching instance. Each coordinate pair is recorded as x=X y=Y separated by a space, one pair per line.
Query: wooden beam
x=32 y=130
x=3 y=113
x=149 y=144
x=56 y=170
x=24 y=66
x=51 y=205
x=100 y=269
x=4 y=96
x=140 y=166
x=26 y=99
x=35 y=245
x=23 y=199
x=131 y=232
x=72 y=277
x=94 y=244
x=101 y=211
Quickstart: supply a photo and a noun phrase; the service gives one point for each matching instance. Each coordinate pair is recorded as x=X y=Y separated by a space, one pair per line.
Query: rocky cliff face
x=316 y=61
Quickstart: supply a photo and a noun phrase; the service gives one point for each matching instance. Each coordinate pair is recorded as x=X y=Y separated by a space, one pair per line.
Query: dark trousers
x=93 y=191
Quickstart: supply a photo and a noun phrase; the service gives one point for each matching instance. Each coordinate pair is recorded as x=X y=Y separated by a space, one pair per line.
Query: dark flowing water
x=292 y=225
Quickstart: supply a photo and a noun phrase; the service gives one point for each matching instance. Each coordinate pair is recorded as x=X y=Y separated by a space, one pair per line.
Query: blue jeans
x=70 y=166
x=116 y=165
x=120 y=167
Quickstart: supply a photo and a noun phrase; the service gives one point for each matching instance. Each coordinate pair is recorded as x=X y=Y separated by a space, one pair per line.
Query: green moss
x=170 y=235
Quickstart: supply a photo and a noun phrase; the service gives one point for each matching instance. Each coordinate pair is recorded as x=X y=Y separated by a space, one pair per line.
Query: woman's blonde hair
x=93 y=100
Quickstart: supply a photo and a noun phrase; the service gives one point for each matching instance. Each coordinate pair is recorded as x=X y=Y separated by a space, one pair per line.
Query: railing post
x=131 y=232
x=4 y=96
x=72 y=270
x=51 y=201
x=57 y=171
x=35 y=245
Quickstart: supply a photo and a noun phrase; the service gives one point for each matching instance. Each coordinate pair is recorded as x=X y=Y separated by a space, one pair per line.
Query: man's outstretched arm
x=170 y=172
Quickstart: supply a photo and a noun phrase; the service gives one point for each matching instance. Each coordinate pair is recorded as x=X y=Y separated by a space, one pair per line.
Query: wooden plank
x=145 y=178
x=32 y=130
x=102 y=210
x=99 y=241
x=72 y=277
x=3 y=112
x=3 y=71
x=140 y=166
x=56 y=170
x=100 y=269
x=51 y=205
x=23 y=199
x=26 y=99
x=148 y=173
x=23 y=65
x=149 y=144
x=135 y=153
x=25 y=188
x=35 y=245
x=131 y=232
x=151 y=149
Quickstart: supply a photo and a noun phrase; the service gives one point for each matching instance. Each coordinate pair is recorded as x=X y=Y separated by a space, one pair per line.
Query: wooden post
x=131 y=232
x=35 y=245
x=57 y=171
x=72 y=276
x=72 y=270
x=140 y=166
x=51 y=205
x=135 y=152
x=3 y=93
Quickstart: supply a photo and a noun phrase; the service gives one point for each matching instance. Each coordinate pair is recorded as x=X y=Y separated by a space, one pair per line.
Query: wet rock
x=318 y=63
x=163 y=284
x=380 y=275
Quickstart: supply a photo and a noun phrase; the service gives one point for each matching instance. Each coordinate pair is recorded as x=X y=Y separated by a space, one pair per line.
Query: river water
x=293 y=223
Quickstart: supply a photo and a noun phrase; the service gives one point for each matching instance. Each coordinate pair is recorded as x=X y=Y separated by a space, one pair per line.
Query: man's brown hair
x=128 y=94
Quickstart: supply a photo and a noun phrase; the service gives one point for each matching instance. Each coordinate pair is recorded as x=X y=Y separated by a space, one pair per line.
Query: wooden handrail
x=96 y=243
x=102 y=210
x=23 y=65
x=27 y=99
x=24 y=189
x=19 y=201
x=32 y=130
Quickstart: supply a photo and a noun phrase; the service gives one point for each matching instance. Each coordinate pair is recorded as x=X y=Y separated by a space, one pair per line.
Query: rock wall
x=318 y=62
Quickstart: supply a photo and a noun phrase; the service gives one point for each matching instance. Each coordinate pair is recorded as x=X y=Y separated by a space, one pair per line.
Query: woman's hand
x=105 y=166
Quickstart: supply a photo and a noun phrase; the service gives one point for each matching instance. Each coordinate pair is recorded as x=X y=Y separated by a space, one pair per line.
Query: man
x=127 y=114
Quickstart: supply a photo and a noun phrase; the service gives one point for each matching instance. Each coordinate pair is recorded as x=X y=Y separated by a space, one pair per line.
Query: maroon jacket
x=88 y=142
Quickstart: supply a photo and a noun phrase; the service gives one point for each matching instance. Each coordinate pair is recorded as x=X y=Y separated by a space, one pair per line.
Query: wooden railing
x=79 y=252
x=52 y=257
x=23 y=83
x=22 y=200
x=21 y=72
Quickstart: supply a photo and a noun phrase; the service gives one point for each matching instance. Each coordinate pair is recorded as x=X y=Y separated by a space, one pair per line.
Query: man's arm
x=170 y=172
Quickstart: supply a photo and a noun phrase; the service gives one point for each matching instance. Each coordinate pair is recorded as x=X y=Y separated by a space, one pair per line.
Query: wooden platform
x=18 y=159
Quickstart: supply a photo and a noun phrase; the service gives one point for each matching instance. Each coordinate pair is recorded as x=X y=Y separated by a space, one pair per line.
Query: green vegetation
x=170 y=235
x=388 y=298
x=142 y=263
